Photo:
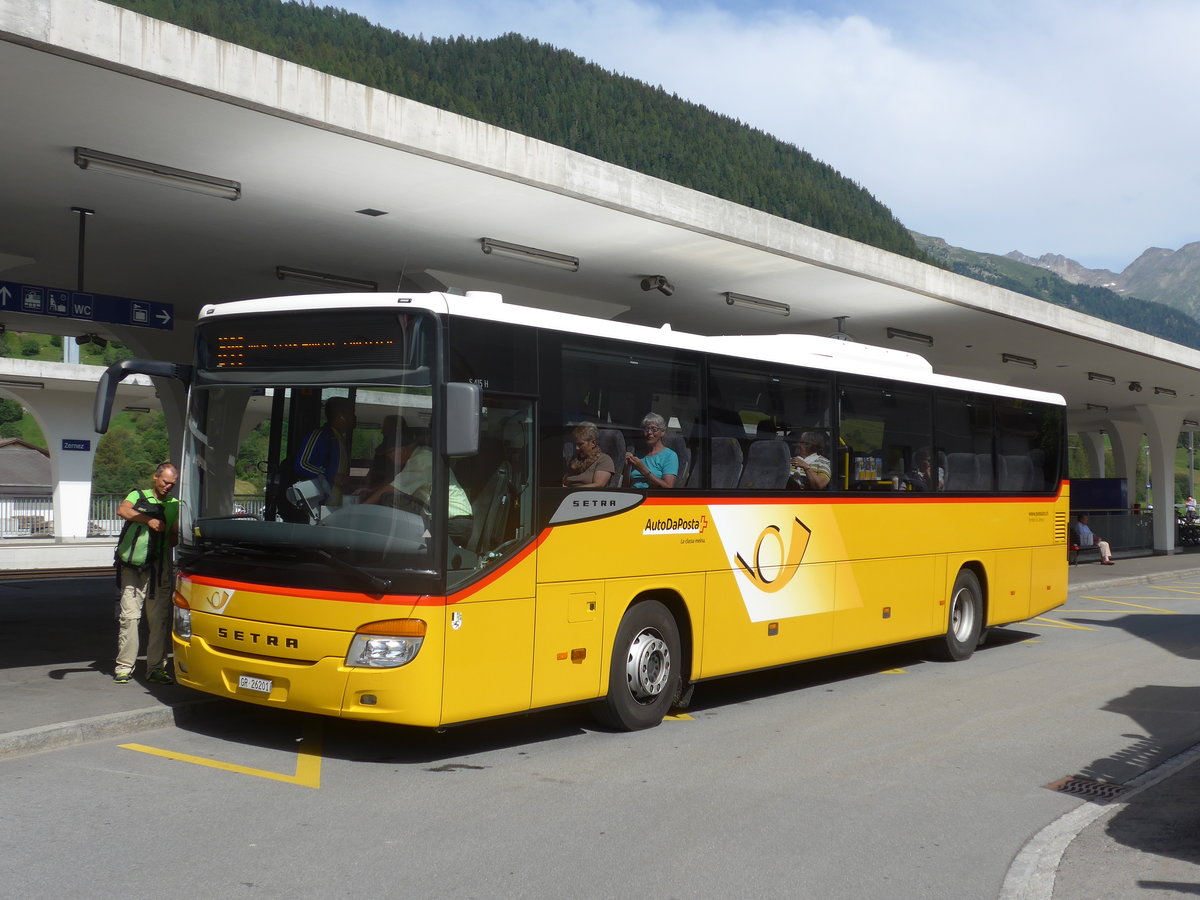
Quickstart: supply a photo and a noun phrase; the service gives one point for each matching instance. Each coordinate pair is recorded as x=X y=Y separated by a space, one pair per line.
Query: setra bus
x=945 y=510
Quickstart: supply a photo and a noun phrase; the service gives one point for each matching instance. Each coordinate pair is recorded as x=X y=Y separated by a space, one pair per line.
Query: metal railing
x=28 y=517
x=1125 y=531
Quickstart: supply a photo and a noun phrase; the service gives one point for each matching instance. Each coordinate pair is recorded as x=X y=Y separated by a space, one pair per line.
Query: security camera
x=658 y=283
x=1135 y=386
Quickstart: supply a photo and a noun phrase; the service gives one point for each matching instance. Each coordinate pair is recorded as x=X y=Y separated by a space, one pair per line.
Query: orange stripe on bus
x=385 y=600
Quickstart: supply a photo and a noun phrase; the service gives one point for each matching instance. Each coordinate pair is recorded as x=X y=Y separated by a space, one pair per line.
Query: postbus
x=619 y=597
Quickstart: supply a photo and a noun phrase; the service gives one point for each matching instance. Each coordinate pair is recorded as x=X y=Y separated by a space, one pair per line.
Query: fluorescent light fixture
x=1097 y=406
x=1018 y=360
x=324 y=278
x=28 y=385
x=1191 y=423
x=148 y=171
x=136 y=409
x=1170 y=392
x=1096 y=376
x=914 y=336
x=771 y=306
x=530 y=254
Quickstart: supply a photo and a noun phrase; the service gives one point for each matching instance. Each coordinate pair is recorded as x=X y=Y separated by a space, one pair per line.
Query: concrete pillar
x=1093 y=448
x=65 y=418
x=1126 y=439
x=1162 y=426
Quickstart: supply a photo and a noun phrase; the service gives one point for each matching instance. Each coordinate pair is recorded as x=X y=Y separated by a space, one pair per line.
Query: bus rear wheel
x=643 y=677
x=965 y=621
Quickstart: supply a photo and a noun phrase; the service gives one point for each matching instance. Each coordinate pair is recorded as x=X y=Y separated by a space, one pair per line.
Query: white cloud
x=1042 y=125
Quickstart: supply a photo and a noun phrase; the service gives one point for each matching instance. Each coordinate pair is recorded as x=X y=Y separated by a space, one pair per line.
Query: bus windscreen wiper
x=375 y=583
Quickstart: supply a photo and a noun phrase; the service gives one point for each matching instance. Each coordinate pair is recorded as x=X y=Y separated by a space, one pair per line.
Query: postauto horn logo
x=775 y=561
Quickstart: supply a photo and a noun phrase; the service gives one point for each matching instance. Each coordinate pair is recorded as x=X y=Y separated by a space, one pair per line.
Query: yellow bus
x=827 y=497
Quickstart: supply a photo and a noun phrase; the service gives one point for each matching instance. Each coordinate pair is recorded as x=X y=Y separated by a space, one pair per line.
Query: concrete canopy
x=313 y=153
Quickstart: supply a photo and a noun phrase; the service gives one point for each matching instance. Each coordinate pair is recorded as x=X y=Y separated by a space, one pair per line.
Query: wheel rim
x=648 y=666
x=962 y=615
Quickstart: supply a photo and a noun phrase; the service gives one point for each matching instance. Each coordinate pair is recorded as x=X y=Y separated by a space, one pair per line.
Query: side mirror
x=464 y=407
x=106 y=390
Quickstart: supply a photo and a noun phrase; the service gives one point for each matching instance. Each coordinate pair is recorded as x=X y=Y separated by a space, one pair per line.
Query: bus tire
x=964 y=621
x=643 y=678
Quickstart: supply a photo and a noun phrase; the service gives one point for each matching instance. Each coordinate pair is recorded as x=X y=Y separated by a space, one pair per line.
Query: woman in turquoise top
x=659 y=466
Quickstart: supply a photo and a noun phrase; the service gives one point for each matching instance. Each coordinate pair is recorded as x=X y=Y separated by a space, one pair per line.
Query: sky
x=1044 y=126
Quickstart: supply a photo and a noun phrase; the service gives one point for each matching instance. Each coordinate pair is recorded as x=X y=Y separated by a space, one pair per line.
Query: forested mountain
x=1040 y=281
x=553 y=95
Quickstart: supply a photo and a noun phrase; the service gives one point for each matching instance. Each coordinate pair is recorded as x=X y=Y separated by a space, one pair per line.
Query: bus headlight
x=387 y=644
x=182 y=619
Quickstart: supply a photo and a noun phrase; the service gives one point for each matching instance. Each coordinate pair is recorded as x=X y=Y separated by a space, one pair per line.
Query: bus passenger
x=810 y=468
x=589 y=467
x=922 y=477
x=659 y=466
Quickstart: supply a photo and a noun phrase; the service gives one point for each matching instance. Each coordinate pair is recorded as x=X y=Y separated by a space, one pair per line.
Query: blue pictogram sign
x=46 y=301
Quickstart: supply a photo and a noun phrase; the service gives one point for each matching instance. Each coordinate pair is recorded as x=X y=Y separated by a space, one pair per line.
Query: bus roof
x=807 y=350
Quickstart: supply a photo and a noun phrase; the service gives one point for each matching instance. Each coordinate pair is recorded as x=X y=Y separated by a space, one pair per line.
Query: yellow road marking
x=1178 y=590
x=1169 y=612
x=1050 y=623
x=308 y=760
x=893 y=672
x=681 y=717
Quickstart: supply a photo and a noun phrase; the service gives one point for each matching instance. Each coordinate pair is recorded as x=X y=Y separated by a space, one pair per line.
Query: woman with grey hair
x=659 y=465
x=589 y=467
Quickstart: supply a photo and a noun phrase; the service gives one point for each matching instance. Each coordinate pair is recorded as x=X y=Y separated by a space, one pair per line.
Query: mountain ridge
x=1161 y=275
x=1036 y=278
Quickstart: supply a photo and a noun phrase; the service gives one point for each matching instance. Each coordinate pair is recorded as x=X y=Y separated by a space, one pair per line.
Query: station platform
x=57 y=634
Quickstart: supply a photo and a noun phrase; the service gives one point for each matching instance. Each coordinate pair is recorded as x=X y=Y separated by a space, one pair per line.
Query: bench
x=1073 y=551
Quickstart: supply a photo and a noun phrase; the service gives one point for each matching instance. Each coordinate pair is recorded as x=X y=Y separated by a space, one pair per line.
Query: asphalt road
x=874 y=776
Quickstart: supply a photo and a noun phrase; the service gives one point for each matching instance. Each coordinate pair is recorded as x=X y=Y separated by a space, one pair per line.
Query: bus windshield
x=318 y=455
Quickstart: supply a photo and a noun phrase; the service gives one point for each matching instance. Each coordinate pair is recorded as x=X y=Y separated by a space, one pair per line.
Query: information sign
x=39 y=300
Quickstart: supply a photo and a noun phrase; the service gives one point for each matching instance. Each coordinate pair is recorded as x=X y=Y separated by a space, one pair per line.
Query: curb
x=67 y=734
x=1122 y=581
x=1032 y=873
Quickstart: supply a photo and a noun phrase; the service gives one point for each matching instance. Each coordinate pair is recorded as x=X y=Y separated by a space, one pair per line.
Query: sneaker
x=160 y=676
x=123 y=677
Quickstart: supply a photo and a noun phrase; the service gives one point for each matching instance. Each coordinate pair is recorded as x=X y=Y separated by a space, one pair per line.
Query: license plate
x=250 y=683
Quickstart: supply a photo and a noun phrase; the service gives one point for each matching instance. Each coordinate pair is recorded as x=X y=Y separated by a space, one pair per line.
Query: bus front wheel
x=965 y=621
x=643 y=678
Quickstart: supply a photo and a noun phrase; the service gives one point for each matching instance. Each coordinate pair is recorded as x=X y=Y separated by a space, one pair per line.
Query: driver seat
x=491 y=511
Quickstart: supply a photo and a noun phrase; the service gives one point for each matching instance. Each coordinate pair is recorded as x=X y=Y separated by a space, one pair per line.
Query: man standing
x=326 y=450
x=144 y=572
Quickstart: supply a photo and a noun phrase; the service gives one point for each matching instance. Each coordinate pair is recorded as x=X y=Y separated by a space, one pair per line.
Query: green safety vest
x=138 y=546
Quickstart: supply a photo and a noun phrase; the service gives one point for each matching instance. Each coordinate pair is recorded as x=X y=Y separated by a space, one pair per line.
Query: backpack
x=137 y=544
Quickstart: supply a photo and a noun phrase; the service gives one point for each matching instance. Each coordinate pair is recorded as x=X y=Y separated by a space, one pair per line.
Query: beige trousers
x=137 y=593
